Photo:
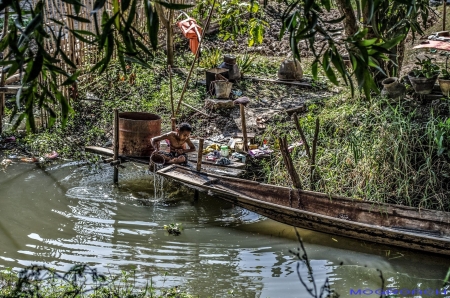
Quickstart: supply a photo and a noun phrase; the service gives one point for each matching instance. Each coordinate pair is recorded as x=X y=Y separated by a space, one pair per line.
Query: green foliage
x=236 y=18
x=41 y=68
x=395 y=152
x=256 y=31
x=117 y=34
x=396 y=19
x=426 y=68
x=211 y=58
x=245 y=62
x=442 y=137
x=445 y=73
x=303 y=20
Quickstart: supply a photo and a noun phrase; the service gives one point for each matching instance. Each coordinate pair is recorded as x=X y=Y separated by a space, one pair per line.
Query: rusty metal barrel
x=135 y=132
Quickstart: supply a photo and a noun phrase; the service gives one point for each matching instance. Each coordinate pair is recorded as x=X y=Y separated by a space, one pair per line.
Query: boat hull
x=402 y=226
x=319 y=223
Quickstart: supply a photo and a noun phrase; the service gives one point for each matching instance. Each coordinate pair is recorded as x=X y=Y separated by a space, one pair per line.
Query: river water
x=69 y=213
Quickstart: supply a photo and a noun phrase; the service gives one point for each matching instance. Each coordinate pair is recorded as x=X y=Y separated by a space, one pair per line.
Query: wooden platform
x=235 y=169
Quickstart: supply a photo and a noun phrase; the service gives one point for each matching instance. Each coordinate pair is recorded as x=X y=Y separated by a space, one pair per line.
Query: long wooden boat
x=411 y=228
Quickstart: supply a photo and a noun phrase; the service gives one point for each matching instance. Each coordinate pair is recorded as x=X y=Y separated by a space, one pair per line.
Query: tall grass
x=396 y=152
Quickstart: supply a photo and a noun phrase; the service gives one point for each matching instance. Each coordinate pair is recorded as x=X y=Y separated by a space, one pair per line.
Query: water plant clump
x=174 y=228
x=79 y=281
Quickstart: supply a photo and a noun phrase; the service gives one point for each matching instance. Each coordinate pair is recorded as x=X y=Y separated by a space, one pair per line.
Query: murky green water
x=67 y=213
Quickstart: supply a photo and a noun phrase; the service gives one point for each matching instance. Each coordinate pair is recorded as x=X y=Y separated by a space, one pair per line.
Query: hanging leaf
x=72 y=79
x=98 y=4
x=152 y=23
x=327 y=68
x=116 y=11
x=131 y=15
x=36 y=68
x=78 y=19
x=174 y=6
x=126 y=3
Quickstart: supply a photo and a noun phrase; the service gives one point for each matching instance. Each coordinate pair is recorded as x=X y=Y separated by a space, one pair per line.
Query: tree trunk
x=346 y=9
x=167 y=23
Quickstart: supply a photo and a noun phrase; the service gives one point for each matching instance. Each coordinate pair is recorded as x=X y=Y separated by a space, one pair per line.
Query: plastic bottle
x=224 y=151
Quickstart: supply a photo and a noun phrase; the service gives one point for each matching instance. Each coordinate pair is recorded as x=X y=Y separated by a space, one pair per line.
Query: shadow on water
x=61 y=215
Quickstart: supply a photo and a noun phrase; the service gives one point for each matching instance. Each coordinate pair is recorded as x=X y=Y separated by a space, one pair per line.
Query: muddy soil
x=268 y=105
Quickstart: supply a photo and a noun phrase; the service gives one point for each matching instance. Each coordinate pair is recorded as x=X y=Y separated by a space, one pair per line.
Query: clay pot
x=290 y=70
x=422 y=85
x=445 y=86
x=157 y=159
x=392 y=88
x=229 y=62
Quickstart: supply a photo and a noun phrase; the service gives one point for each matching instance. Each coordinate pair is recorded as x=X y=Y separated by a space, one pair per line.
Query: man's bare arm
x=160 y=138
x=191 y=146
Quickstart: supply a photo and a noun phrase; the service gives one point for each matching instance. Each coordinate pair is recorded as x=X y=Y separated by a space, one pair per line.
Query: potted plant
x=424 y=76
x=444 y=79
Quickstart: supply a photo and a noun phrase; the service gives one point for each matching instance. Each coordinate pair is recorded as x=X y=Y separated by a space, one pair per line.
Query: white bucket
x=222 y=88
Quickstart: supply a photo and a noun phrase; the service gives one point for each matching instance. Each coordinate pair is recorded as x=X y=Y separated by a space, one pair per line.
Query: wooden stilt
x=244 y=127
x=196 y=195
x=288 y=162
x=116 y=144
x=200 y=154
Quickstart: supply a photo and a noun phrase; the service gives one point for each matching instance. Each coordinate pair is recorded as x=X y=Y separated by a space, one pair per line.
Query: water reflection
x=61 y=215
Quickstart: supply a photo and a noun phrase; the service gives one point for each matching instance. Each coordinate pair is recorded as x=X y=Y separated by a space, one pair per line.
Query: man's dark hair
x=185 y=127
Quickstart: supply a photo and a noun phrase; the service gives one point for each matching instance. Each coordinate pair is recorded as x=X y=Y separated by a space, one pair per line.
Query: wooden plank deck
x=232 y=170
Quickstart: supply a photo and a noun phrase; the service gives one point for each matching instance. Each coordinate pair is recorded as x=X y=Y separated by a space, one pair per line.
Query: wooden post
x=244 y=126
x=288 y=162
x=313 y=155
x=116 y=144
x=200 y=154
x=174 y=123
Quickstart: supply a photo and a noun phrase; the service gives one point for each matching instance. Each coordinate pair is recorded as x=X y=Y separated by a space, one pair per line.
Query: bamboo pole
x=195 y=59
x=3 y=79
x=313 y=156
x=116 y=144
x=200 y=154
x=244 y=126
x=302 y=135
x=197 y=110
x=171 y=93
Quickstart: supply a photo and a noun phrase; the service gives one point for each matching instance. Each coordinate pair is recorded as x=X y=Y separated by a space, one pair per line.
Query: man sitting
x=176 y=141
